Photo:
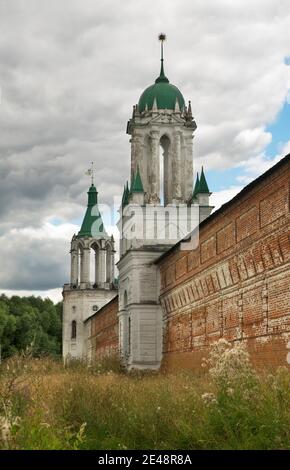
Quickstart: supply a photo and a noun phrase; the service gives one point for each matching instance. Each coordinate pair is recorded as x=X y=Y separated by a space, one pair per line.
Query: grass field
x=45 y=405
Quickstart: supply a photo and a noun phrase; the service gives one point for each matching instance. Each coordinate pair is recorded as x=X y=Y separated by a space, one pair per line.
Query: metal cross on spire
x=162 y=38
x=162 y=77
x=91 y=172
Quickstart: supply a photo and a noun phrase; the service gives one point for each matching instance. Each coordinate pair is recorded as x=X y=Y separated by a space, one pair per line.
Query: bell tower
x=156 y=212
x=161 y=129
x=92 y=281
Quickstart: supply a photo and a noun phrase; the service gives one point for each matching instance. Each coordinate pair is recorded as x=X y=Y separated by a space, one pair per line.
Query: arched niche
x=125 y=299
x=109 y=263
x=74 y=330
x=80 y=262
x=95 y=260
x=165 y=175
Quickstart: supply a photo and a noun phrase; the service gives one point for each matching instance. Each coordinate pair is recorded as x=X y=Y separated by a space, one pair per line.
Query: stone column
x=133 y=152
x=189 y=167
x=108 y=264
x=97 y=262
x=176 y=166
x=123 y=335
x=85 y=278
x=102 y=265
x=136 y=152
x=74 y=267
x=113 y=265
x=154 y=166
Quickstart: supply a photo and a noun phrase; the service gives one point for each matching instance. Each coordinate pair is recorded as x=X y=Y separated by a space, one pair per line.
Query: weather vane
x=91 y=172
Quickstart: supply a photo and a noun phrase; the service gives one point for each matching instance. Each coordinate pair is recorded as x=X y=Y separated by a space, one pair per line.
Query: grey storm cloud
x=38 y=265
x=70 y=72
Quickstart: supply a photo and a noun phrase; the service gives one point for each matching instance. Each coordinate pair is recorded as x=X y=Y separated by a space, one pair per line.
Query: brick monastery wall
x=104 y=331
x=236 y=284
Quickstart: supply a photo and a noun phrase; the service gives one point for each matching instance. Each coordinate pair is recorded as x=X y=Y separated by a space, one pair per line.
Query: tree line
x=30 y=322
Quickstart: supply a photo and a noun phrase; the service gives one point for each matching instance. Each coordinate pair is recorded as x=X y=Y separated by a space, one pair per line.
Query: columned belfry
x=161 y=184
x=161 y=130
x=92 y=247
x=92 y=282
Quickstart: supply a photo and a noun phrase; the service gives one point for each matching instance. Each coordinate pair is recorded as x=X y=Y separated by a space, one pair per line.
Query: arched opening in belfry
x=95 y=264
x=109 y=263
x=164 y=170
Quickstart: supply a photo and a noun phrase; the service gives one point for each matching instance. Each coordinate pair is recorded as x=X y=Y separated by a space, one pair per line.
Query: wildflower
x=209 y=398
x=6 y=423
x=5 y=427
x=229 y=364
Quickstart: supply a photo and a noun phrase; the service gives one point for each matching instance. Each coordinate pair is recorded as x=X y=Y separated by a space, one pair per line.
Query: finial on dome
x=90 y=172
x=162 y=77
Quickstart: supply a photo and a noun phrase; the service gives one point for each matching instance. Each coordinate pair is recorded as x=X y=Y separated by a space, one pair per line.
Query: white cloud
x=54 y=294
x=47 y=231
x=258 y=164
x=219 y=198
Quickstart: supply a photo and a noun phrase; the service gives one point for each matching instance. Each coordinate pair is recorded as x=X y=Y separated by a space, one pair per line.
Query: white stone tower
x=152 y=213
x=92 y=282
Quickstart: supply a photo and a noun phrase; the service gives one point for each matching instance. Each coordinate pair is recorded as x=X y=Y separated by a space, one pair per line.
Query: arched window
x=73 y=329
x=109 y=263
x=164 y=170
x=125 y=298
x=95 y=265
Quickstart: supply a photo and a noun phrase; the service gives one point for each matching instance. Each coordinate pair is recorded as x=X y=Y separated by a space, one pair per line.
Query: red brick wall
x=104 y=328
x=236 y=284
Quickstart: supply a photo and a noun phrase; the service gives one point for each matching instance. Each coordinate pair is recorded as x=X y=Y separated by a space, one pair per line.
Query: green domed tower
x=156 y=212
x=162 y=119
x=162 y=93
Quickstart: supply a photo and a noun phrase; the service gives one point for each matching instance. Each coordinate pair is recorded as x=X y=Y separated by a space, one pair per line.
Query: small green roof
x=92 y=225
x=137 y=186
x=123 y=196
x=196 y=187
x=126 y=195
x=203 y=187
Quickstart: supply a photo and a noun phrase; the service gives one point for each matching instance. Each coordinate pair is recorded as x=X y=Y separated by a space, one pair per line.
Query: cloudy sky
x=70 y=72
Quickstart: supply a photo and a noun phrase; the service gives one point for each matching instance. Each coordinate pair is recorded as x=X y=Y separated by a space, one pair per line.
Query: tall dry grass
x=47 y=406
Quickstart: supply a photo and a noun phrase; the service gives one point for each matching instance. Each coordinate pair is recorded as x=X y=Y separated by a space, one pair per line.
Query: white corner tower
x=152 y=214
x=92 y=282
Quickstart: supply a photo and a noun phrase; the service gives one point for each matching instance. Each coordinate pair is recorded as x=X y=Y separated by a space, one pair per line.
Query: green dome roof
x=164 y=92
x=165 y=95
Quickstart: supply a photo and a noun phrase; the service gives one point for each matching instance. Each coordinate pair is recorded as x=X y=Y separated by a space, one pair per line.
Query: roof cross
x=91 y=172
